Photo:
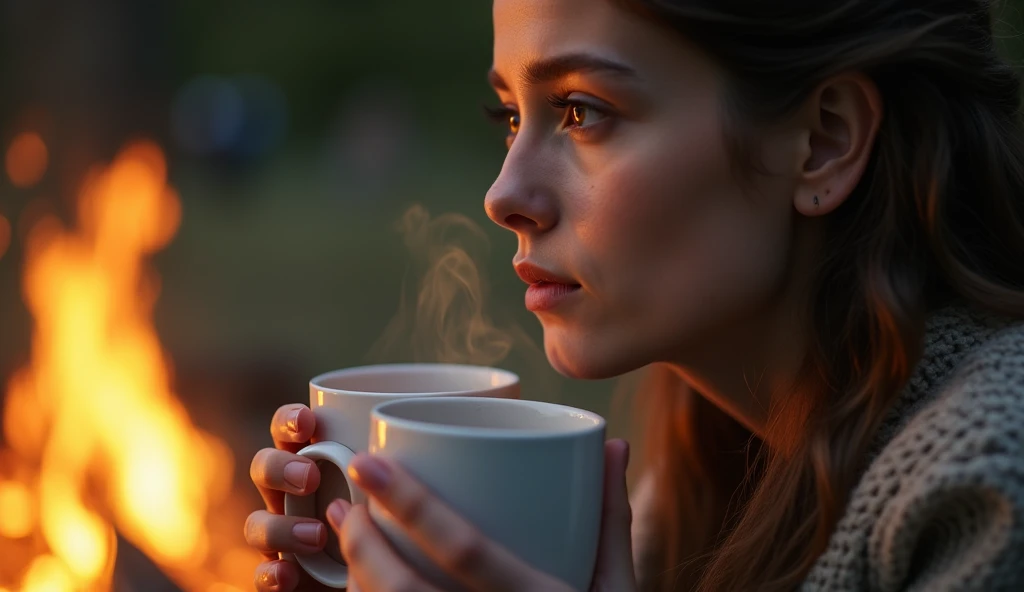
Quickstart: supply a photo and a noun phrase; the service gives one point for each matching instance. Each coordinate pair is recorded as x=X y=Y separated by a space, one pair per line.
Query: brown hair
x=937 y=216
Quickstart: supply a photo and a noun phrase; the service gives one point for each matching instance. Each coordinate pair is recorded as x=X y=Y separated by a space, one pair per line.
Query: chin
x=584 y=359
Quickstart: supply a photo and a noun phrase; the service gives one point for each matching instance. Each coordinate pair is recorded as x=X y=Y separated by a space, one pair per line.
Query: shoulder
x=975 y=416
x=941 y=506
x=954 y=516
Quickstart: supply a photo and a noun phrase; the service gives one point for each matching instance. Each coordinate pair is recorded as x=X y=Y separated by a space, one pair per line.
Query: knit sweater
x=940 y=505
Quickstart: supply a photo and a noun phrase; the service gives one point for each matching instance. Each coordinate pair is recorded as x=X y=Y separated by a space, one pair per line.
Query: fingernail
x=296 y=474
x=293 y=421
x=309 y=533
x=371 y=473
x=336 y=513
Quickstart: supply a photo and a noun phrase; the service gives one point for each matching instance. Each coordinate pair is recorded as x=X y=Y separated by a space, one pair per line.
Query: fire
x=100 y=444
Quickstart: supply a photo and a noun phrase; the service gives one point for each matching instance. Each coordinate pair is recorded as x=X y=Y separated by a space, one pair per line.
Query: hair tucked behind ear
x=938 y=216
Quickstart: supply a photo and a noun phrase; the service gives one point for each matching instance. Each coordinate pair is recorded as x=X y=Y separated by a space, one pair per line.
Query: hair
x=937 y=218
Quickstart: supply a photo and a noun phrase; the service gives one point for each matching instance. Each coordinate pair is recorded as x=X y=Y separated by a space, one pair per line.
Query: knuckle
x=413 y=509
x=464 y=553
x=405 y=582
x=258 y=466
x=352 y=540
x=352 y=545
x=279 y=535
x=255 y=529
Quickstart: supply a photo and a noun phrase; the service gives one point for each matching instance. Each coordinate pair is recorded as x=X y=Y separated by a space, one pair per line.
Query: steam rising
x=441 y=315
x=442 y=318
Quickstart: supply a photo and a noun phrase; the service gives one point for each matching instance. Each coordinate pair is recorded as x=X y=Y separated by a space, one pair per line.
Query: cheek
x=675 y=247
x=659 y=203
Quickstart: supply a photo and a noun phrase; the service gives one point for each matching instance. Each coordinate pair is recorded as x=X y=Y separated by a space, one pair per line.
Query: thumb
x=615 y=551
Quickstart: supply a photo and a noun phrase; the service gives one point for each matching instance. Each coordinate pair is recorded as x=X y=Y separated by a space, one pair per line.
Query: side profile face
x=618 y=185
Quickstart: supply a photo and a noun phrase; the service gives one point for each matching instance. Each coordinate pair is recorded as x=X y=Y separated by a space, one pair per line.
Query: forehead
x=528 y=30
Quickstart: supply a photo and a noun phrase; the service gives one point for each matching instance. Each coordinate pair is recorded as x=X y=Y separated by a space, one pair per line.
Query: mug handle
x=321 y=566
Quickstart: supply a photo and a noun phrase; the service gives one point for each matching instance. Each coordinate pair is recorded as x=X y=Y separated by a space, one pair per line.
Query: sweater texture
x=940 y=505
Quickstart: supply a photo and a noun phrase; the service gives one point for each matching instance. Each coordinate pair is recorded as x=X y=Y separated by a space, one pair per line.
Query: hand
x=276 y=471
x=457 y=546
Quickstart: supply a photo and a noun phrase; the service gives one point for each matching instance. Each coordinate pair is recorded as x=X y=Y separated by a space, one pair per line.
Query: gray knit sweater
x=941 y=503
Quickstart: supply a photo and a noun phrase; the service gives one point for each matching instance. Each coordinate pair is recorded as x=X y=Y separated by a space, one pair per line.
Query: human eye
x=581 y=115
x=506 y=116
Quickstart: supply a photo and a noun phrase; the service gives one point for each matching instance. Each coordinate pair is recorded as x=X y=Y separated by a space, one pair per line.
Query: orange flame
x=100 y=440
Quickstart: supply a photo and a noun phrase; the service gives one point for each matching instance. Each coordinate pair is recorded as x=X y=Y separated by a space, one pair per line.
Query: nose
x=523 y=198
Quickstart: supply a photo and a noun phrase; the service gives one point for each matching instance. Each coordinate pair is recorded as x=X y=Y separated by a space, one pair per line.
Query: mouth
x=534 y=274
x=547 y=289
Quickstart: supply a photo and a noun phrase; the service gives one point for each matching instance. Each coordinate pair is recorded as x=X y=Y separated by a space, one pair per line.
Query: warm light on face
x=27 y=159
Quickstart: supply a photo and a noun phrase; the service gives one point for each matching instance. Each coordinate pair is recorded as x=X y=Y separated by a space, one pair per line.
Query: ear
x=840 y=122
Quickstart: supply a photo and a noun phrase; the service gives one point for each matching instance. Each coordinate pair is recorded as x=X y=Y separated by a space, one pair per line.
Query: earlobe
x=814 y=202
x=843 y=117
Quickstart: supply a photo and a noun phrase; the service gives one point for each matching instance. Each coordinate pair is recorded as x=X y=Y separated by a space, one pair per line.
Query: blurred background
x=199 y=211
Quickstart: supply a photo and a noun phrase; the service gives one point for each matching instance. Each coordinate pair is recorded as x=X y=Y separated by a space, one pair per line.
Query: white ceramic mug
x=529 y=475
x=342 y=401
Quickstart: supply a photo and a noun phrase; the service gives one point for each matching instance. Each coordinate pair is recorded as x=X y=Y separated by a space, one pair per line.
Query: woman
x=807 y=216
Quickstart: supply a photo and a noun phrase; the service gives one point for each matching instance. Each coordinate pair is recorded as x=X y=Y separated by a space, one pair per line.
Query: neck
x=750 y=368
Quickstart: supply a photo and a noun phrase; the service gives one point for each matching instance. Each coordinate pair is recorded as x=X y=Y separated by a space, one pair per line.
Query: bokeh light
x=5 y=235
x=27 y=159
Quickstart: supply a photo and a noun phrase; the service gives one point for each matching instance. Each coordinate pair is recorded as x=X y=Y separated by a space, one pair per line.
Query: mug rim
x=508 y=379
x=380 y=413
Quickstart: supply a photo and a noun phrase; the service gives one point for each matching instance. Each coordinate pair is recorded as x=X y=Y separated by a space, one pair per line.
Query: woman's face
x=618 y=186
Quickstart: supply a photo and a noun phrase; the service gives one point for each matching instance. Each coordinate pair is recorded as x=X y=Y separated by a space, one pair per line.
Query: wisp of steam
x=442 y=318
x=442 y=315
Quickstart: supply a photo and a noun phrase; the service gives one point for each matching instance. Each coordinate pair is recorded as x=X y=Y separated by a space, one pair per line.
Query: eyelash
x=562 y=103
x=501 y=114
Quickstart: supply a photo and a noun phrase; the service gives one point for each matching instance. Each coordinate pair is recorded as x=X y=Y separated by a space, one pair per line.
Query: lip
x=534 y=274
x=547 y=289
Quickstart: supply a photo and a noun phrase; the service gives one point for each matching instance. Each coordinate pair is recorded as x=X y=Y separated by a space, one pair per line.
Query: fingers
x=276 y=471
x=277 y=576
x=372 y=562
x=292 y=427
x=273 y=533
x=615 y=552
x=447 y=538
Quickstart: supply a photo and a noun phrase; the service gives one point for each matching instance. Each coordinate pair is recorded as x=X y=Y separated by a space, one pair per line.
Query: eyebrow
x=549 y=69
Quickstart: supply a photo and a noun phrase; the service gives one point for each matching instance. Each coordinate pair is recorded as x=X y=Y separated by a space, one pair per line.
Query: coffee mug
x=342 y=401
x=528 y=475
